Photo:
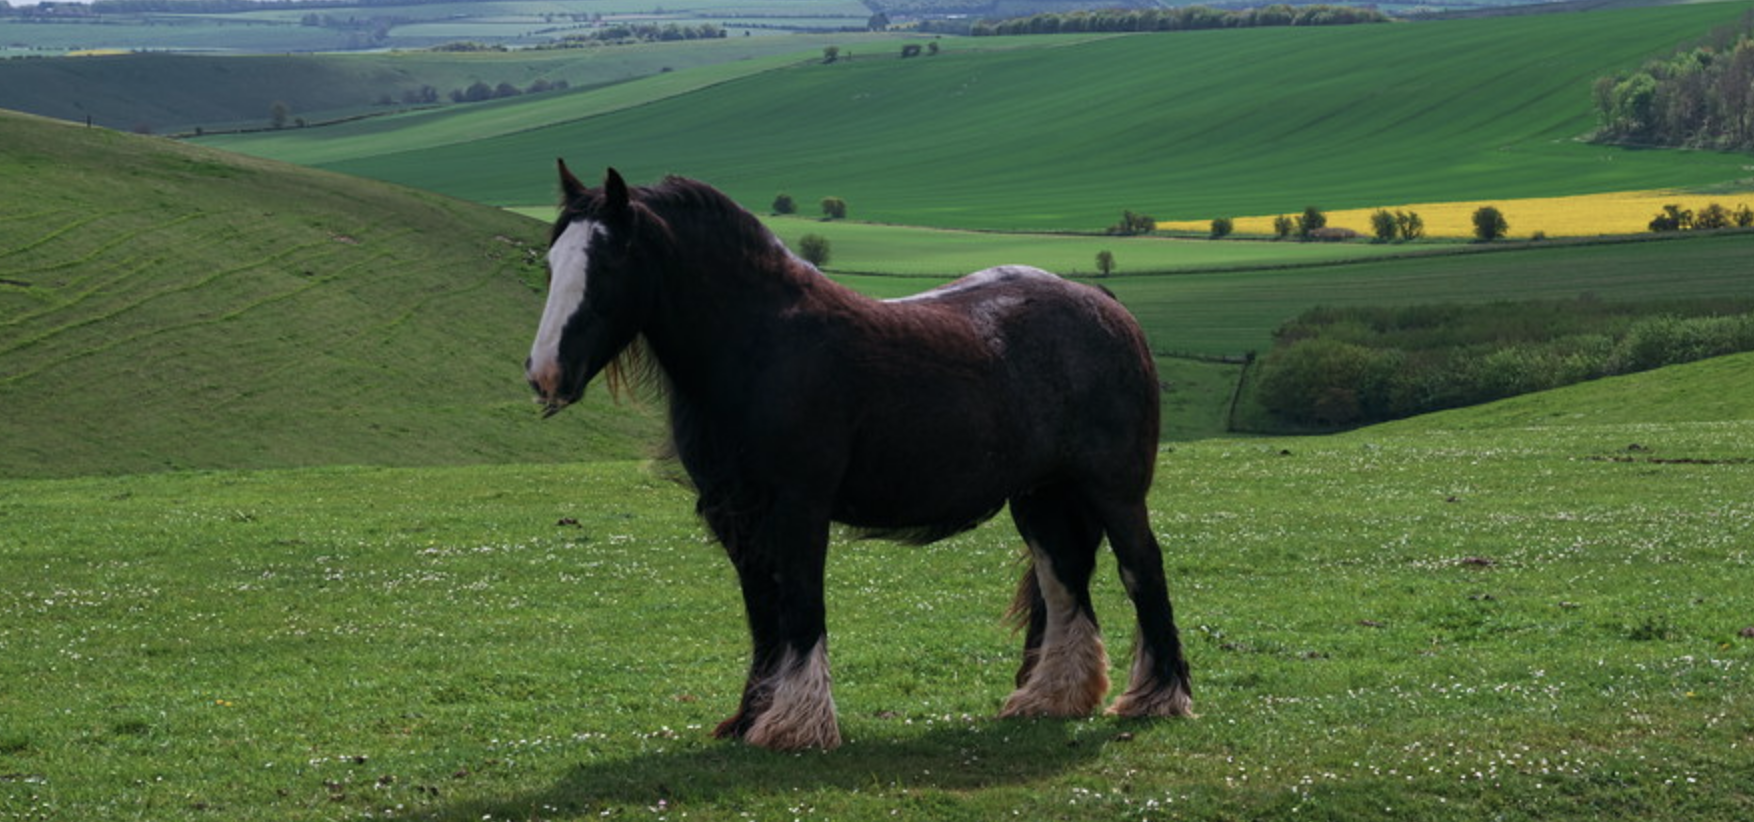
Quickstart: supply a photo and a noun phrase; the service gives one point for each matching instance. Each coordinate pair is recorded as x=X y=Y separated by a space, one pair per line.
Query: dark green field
x=1180 y=126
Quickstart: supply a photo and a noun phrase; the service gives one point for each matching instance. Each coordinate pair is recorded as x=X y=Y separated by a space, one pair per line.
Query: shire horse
x=796 y=402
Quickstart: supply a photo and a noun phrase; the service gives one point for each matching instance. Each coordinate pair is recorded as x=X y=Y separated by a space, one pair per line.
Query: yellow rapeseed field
x=1624 y=212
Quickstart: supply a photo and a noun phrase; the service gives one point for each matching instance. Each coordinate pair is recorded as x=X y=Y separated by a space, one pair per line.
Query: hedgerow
x=1353 y=366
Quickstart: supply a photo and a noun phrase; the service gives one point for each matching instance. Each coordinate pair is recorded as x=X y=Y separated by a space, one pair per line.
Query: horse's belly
x=931 y=488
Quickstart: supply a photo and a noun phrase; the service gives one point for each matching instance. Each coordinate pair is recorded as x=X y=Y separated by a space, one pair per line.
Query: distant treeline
x=1185 y=18
x=230 y=6
x=1701 y=96
x=1356 y=366
x=649 y=33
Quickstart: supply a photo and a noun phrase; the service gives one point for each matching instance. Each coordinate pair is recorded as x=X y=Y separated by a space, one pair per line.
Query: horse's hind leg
x=1158 y=684
x=1065 y=668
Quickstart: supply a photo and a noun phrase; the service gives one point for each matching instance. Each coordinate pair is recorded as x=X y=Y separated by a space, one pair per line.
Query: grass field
x=1187 y=126
x=1532 y=610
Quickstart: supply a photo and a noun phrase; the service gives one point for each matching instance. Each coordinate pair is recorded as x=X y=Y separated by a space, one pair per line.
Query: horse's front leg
x=787 y=703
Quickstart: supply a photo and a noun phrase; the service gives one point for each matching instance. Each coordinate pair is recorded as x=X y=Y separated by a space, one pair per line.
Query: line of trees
x=1714 y=216
x=1185 y=18
x=1359 y=365
x=651 y=33
x=1701 y=96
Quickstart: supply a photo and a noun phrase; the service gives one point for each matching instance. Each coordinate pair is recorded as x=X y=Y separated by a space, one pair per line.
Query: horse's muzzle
x=550 y=388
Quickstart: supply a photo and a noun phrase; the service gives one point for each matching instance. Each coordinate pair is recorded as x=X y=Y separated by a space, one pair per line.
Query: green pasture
x=1534 y=610
x=1189 y=125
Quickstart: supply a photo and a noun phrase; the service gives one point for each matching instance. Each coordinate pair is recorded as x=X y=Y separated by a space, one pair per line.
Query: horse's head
x=598 y=296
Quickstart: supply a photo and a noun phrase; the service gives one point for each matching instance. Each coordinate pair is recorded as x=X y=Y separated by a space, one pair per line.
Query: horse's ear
x=615 y=196
x=570 y=187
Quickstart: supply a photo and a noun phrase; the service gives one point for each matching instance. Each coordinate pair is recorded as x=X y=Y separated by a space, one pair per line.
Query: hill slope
x=1065 y=134
x=167 y=93
x=164 y=305
x=1720 y=389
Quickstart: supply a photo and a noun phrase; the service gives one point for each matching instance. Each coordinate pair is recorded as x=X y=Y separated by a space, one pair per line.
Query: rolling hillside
x=169 y=306
x=174 y=93
x=1064 y=134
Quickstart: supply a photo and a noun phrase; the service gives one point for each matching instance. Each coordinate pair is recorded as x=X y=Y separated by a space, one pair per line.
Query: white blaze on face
x=567 y=261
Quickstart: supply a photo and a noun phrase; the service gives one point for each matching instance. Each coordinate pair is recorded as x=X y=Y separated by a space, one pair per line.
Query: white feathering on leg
x=801 y=713
x=1070 y=676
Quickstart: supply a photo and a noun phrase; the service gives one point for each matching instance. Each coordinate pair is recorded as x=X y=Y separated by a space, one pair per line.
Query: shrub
x=1222 y=227
x=814 y=248
x=1132 y=224
x=1105 y=262
x=1409 y=225
x=1711 y=217
x=784 y=204
x=1383 y=225
x=1282 y=226
x=1310 y=220
x=1672 y=218
x=834 y=208
x=1332 y=234
x=1489 y=224
x=1318 y=382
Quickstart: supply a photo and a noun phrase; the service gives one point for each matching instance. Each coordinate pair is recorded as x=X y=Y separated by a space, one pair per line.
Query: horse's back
x=1051 y=376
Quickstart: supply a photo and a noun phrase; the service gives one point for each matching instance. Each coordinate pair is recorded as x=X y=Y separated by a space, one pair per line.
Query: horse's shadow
x=953 y=757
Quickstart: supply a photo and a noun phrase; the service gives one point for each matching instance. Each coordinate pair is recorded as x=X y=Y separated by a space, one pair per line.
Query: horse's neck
x=709 y=307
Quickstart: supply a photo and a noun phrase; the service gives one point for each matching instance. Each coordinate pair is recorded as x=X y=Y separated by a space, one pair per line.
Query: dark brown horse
x=795 y=402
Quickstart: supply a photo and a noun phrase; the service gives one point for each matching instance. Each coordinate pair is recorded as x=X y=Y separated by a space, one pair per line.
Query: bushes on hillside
x=1133 y=224
x=1354 y=366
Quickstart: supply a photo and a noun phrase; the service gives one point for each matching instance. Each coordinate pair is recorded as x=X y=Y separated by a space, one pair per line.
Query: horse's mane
x=692 y=209
x=695 y=209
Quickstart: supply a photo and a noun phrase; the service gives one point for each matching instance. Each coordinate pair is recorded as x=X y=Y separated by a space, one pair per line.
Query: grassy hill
x=1064 y=135
x=170 y=306
x=172 y=93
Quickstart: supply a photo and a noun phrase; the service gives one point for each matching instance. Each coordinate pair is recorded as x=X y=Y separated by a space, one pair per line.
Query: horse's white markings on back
x=567 y=260
x=980 y=279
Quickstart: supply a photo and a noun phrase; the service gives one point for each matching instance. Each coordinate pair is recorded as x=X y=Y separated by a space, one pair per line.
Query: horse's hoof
x=1173 y=701
x=819 y=735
